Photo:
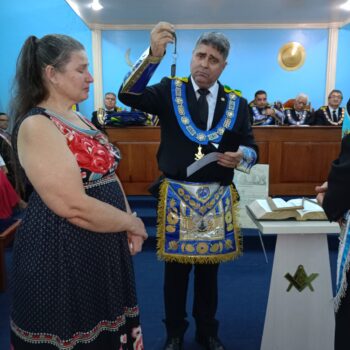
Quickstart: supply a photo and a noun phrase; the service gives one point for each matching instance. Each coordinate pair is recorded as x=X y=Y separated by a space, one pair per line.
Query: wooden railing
x=299 y=157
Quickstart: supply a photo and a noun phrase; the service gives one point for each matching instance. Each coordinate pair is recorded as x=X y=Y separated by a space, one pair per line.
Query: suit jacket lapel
x=220 y=106
x=192 y=102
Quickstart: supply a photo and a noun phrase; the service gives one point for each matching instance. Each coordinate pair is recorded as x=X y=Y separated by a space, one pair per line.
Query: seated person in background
x=299 y=113
x=5 y=136
x=332 y=114
x=110 y=107
x=4 y=123
x=262 y=113
x=6 y=149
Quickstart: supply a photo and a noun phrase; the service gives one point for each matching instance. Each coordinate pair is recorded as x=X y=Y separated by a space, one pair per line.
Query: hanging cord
x=173 y=66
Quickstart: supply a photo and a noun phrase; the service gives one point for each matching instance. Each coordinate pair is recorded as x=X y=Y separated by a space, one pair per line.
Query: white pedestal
x=299 y=320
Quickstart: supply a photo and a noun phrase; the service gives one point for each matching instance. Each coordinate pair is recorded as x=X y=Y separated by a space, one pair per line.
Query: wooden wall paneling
x=263 y=152
x=274 y=160
x=299 y=157
x=307 y=161
x=138 y=167
x=124 y=166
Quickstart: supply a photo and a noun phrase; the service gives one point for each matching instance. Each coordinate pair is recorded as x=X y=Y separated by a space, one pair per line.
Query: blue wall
x=20 y=19
x=343 y=62
x=252 y=64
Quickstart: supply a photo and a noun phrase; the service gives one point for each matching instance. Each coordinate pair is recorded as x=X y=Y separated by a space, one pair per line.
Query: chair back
x=289 y=104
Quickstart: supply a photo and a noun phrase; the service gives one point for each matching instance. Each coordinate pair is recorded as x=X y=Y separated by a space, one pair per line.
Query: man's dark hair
x=216 y=40
x=260 y=92
x=335 y=91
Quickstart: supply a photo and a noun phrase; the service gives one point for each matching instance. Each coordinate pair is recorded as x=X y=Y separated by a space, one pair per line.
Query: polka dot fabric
x=72 y=288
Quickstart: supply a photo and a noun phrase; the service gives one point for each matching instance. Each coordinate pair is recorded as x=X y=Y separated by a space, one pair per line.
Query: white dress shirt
x=331 y=112
x=211 y=99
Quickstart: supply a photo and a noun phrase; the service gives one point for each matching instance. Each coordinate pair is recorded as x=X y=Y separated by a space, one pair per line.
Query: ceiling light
x=96 y=6
x=346 y=6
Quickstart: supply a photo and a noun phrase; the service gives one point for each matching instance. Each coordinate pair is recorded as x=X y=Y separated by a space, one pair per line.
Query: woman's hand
x=136 y=227
x=135 y=243
x=136 y=235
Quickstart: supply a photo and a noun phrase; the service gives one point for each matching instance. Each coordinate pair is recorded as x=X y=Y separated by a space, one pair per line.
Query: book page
x=311 y=211
x=263 y=203
x=280 y=204
x=250 y=187
x=258 y=209
x=261 y=210
x=297 y=202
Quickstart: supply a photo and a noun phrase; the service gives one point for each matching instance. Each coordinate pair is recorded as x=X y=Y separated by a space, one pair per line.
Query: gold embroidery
x=196 y=227
x=330 y=121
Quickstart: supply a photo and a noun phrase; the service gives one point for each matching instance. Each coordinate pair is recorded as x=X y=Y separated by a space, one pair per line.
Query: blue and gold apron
x=197 y=222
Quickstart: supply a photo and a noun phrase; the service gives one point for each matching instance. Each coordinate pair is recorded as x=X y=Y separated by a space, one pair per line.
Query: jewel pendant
x=199 y=155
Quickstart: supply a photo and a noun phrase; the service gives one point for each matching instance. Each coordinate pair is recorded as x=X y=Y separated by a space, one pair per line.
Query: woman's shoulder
x=35 y=112
x=34 y=123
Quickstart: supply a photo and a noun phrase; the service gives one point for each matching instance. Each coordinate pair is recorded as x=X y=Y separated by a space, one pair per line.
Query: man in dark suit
x=198 y=116
x=262 y=113
x=332 y=114
x=110 y=107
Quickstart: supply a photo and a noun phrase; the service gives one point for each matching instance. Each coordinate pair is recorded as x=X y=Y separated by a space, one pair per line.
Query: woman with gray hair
x=73 y=280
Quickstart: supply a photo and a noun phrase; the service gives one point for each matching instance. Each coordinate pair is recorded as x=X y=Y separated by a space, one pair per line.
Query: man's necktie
x=203 y=108
x=334 y=116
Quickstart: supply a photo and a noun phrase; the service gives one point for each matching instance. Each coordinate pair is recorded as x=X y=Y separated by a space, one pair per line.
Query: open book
x=299 y=209
x=277 y=204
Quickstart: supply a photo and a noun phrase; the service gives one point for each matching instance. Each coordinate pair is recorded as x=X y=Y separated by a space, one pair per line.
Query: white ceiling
x=196 y=13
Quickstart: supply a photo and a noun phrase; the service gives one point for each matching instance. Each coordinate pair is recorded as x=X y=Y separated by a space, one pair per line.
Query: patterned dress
x=73 y=288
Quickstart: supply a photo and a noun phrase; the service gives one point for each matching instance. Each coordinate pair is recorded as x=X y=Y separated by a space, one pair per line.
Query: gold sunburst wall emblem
x=291 y=56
